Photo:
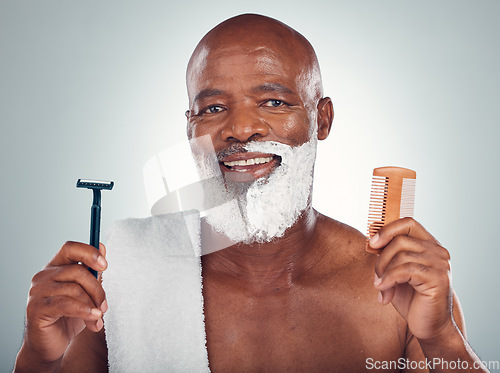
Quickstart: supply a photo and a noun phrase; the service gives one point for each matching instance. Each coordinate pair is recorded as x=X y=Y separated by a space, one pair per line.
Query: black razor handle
x=95 y=210
x=95 y=228
x=95 y=223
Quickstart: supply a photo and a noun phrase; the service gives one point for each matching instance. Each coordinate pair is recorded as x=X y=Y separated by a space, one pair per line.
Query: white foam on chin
x=266 y=208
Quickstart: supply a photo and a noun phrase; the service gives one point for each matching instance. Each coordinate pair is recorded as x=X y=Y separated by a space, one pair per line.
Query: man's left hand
x=413 y=272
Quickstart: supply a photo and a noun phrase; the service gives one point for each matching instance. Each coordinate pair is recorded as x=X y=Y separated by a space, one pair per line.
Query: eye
x=274 y=103
x=214 y=109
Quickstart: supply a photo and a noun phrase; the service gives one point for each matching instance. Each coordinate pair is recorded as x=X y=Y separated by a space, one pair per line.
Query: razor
x=95 y=209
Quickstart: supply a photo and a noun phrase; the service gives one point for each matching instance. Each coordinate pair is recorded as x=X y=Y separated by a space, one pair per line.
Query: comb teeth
x=392 y=196
x=407 y=198
x=378 y=204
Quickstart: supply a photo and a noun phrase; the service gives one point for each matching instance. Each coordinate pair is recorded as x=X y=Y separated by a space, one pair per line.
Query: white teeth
x=248 y=162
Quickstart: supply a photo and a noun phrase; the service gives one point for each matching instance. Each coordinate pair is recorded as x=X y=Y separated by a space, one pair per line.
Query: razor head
x=94 y=184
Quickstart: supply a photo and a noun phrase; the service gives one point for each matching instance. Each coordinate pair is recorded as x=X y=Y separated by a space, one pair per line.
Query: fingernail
x=377 y=281
x=96 y=312
x=380 y=297
x=99 y=324
x=102 y=262
x=374 y=239
x=104 y=306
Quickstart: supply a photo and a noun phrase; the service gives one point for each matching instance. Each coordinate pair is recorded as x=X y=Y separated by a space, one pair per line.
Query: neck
x=276 y=263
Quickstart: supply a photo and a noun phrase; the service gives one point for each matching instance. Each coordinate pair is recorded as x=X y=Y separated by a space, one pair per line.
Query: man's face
x=242 y=93
x=258 y=103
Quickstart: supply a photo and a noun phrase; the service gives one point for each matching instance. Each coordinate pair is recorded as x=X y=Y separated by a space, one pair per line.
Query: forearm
x=26 y=361
x=450 y=352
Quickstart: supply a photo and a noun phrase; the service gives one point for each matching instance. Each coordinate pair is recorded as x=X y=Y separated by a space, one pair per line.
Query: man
x=299 y=292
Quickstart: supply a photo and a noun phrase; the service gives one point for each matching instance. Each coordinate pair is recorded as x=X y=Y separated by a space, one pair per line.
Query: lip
x=249 y=173
x=246 y=155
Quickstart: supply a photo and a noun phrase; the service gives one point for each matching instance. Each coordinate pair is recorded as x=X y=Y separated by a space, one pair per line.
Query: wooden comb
x=392 y=196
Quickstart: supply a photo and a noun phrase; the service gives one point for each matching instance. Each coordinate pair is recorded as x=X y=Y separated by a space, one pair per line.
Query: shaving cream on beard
x=264 y=209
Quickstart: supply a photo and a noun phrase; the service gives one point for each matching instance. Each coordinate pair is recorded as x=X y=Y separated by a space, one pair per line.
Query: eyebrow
x=266 y=87
x=206 y=93
x=272 y=87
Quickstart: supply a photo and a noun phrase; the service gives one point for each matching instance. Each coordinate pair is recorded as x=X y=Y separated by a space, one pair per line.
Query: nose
x=244 y=125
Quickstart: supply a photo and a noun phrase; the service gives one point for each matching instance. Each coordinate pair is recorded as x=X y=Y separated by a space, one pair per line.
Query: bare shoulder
x=345 y=264
x=345 y=246
x=86 y=353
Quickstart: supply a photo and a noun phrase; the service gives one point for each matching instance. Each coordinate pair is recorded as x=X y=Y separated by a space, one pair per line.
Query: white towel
x=153 y=284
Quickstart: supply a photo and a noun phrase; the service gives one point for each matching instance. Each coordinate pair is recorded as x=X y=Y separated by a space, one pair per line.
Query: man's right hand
x=64 y=299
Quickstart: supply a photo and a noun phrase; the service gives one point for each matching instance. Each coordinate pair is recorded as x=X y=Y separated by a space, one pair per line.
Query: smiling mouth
x=249 y=165
x=240 y=165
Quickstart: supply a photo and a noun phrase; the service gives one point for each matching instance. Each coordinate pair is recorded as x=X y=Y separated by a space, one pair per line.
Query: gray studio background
x=93 y=89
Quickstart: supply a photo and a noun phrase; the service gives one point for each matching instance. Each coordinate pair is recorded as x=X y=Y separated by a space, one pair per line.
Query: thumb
x=102 y=249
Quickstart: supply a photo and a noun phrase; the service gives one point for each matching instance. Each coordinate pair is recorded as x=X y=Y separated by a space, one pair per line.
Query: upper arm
x=87 y=352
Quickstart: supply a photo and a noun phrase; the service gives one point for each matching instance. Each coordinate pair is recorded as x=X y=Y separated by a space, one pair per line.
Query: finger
x=405 y=227
x=369 y=249
x=55 y=290
x=424 y=253
x=50 y=280
x=430 y=260
x=62 y=306
x=70 y=290
x=402 y=293
x=77 y=252
x=419 y=276
x=94 y=326
x=386 y=296
x=76 y=274
x=400 y=249
x=383 y=295
x=102 y=249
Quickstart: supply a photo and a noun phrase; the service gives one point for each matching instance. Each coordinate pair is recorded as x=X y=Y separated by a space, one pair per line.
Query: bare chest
x=299 y=330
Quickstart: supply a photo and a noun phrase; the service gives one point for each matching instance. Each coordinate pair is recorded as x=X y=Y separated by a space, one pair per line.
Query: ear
x=325 y=117
x=189 y=128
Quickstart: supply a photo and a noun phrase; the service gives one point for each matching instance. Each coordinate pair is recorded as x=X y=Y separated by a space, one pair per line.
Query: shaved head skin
x=252 y=33
x=252 y=48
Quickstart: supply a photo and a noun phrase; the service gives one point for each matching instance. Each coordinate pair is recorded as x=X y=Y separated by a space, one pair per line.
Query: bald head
x=251 y=32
